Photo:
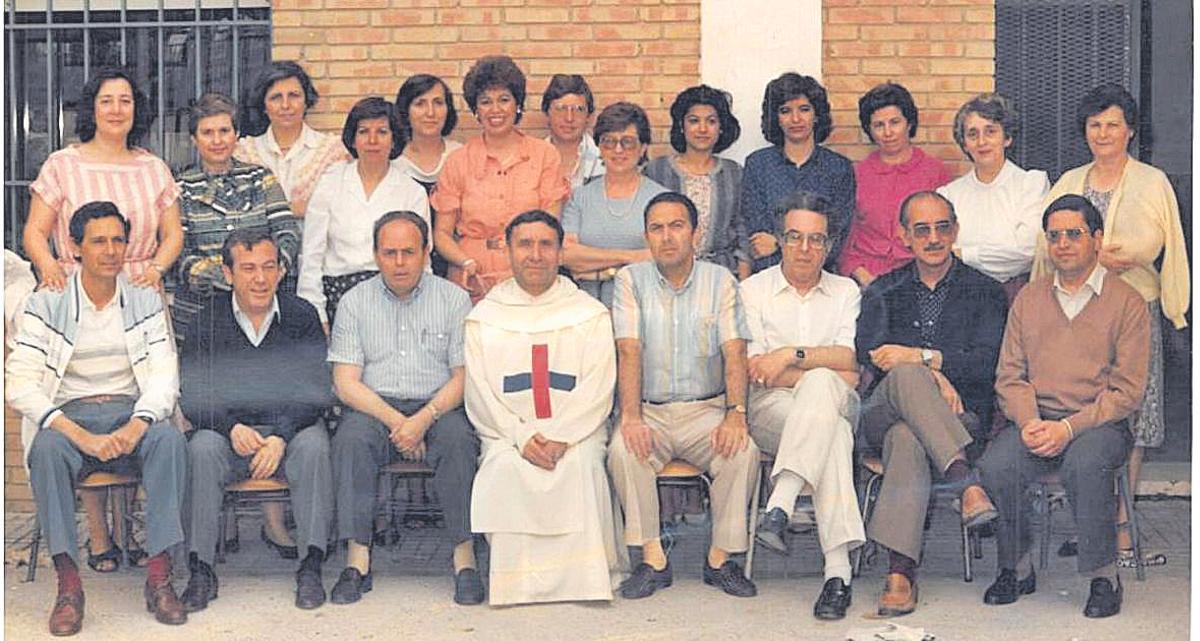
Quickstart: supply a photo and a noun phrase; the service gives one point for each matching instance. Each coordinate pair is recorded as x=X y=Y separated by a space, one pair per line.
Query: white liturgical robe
x=545 y=365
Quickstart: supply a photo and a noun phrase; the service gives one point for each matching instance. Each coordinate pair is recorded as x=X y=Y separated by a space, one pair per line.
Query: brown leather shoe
x=167 y=607
x=67 y=616
x=977 y=508
x=899 y=596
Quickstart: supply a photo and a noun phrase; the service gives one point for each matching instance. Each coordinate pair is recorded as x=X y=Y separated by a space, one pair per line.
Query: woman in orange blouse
x=490 y=180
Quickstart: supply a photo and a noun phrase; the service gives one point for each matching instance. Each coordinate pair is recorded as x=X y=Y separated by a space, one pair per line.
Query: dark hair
x=808 y=201
x=491 y=72
x=212 y=104
x=85 y=119
x=370 y=108
x=533 y=216
x=414 y=88
x=1101 y=98
x=922 y=195
x=788 y=87
x=94 y=210
x=992 y=107
x=617 y=117
x=704 y=95
x=254 y=119
x=888 y=94
x=563 y=84
x=246 y=238
x=675 y=198
x=393 y=216
x=1075 y=202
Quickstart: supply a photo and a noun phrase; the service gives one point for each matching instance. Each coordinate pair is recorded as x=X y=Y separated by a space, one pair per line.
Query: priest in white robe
x=541 y=368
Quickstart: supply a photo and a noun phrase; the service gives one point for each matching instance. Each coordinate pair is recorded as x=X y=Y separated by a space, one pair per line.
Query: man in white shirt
x=802 y=403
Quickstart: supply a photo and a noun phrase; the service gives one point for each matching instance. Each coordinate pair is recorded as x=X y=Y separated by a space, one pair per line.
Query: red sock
x=158 y=569
x=68 y=574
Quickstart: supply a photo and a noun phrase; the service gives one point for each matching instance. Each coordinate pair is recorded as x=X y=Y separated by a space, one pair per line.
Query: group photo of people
x=549 y=327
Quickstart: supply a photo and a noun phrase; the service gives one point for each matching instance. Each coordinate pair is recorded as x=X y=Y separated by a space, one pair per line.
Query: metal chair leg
x=1042 y=498
x=222 y=520
x=968 y=576
x=753 y=525
x=1125 y=494
x=34 y=544
x=868 y=504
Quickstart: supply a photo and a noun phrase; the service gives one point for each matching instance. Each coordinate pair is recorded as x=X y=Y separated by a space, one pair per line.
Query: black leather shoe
x=730 y=579
x=310 y=592
x=1069 y=548
x=834 y=599
x=1006 y=588
x=645 y=581
x=201 y=586
x=350 y=587
x=468 y=587
x=290 y=552
x=771 y=530
x=1103 y=600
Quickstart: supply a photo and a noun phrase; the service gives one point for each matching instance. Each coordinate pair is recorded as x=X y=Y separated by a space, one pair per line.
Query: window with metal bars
x=176 y=50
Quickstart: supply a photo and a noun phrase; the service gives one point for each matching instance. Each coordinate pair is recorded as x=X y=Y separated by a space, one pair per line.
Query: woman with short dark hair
x=569 y=105
x=703 y=125
x=494 y=177
x=795 y=120
x=603 y=219
x=885 y=178
x=277 y=137
x=338 y=250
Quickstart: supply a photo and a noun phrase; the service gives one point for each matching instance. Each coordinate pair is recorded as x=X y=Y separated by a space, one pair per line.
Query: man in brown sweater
x=1072 y=370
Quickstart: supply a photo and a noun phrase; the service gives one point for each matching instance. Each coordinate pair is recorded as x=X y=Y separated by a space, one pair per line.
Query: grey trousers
x=55 y=464
x=361 y=446
x=213 y=464
x=1086 y=469
x=907 y=416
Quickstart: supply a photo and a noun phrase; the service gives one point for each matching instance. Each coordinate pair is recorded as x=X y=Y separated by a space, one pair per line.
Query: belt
x=496 y=242
x=690 y=400
x=101 y=398
x=599 y=275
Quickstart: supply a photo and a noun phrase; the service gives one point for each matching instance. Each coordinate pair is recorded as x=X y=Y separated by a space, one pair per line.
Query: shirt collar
x=1095 y=281
x=242 y=316
x=915 y=274
x=308 y=138
x=779 y=283
x=666 y=284
x=412 y=297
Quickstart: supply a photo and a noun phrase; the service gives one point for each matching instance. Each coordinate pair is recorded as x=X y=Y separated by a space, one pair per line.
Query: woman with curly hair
x=703 y=125
x=495 y=176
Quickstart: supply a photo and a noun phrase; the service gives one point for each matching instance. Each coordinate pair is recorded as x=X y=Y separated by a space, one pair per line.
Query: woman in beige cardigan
x=1141 y=223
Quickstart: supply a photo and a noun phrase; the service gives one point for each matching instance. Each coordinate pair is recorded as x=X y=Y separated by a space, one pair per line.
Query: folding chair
x=241 y=495
x=1045 y=503
x=122 y=490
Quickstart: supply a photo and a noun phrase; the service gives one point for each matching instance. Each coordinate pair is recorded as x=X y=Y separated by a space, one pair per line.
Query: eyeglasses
x=578 y=110
x=628 y=143
x=793 y=238
x=1072 y=235
x=923 y=230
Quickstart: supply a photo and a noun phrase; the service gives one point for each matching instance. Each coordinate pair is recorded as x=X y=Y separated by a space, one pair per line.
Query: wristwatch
x=739 y=408
x=927 y=357
x=800 y=354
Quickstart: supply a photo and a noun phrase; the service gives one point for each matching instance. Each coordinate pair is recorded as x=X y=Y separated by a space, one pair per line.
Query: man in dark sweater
x=254 y=384
x=930 y=332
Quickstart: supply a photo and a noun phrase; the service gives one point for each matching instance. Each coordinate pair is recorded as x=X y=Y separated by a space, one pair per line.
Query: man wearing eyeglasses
x=1073 y=368
x=930 y=333
x=802 y=400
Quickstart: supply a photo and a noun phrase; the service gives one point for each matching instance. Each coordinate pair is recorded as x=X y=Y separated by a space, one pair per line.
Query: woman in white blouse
x=337 y=252
x=998 y=204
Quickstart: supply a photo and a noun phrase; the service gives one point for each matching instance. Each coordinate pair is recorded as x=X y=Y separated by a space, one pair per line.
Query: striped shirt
x=681 y=330
x=213 y=205
x=406 y=348
x=100 y=362
x=141 y=188
x=301 y=167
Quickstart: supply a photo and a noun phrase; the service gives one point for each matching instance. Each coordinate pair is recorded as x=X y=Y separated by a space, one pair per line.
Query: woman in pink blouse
x=106 y=165
x=885 y=178
x=494 y=177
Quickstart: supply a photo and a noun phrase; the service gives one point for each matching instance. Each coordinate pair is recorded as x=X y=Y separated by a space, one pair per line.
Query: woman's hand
x=149 y=278
x=763 y=244
x=1113 y=259
x=51 y=276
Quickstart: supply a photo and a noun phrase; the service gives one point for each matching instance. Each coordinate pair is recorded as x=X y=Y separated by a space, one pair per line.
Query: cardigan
x=46 y=340
x=1142 y=217
x=1091 y=370
x=283 y=384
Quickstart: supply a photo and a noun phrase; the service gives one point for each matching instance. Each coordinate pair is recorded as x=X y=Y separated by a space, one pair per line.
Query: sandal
x=138 y=557
x=99 y=562
x=1125 y=559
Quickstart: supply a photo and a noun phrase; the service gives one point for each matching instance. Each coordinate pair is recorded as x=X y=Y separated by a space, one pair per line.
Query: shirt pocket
x=708 y=340
x=435 y=344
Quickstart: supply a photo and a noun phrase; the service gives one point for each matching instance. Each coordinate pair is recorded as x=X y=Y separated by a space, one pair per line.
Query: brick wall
x=17 y=495
x=943 y=51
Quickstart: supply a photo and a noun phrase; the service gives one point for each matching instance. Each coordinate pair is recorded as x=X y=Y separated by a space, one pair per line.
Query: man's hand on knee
x=638 y=437
x=246 y=440
x=731 y=436
x=266 y=459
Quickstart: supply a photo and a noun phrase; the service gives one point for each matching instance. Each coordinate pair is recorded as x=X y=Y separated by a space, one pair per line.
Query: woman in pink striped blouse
x=106 y=165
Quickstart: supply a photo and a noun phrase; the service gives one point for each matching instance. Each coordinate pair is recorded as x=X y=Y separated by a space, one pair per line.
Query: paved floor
x=411 y=598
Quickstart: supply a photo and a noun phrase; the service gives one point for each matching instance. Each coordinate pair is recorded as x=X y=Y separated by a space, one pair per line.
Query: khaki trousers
x=683 y=431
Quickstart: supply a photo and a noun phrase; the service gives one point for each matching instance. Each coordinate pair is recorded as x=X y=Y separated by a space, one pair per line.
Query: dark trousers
x=361 y=446
x=1086 y=469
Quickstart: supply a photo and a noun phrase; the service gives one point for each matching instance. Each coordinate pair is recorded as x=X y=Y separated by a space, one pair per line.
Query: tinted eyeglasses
x=628 y=143
x=923 y=230
x=793 y=238
x=1072 y=235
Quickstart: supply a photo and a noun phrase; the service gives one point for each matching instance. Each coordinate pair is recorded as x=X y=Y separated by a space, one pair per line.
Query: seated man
x=540 y=372
x=1068 y=383
x=254 y=385
x=94 y=377
x=681 y=339
x=397 y=354
x=802 y=401
x=930 y=332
